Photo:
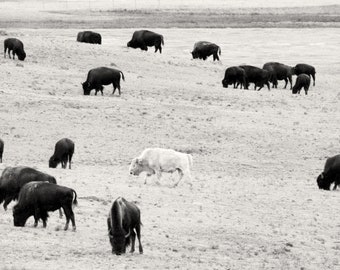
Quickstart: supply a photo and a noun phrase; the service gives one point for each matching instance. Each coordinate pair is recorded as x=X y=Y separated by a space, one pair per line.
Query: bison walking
x=204 y=49
x=143 y=39
x=38 y=198
x=98 y=77
x=158 y=160
x=89 y=37
x=63 y=152
x=330 y=174
x=303 y=80
x=279 y=72
x=123 y=224
x=17 y=48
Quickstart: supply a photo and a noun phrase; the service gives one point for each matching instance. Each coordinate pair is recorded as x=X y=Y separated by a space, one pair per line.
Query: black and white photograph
x=158 y=134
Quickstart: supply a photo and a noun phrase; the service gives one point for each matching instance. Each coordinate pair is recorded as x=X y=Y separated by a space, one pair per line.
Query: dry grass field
x=254 y=202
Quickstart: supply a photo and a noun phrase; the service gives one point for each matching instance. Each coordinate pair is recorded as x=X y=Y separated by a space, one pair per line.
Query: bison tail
x=122 y=76
x=162 y=40
x=219 y=50
x=75 y=202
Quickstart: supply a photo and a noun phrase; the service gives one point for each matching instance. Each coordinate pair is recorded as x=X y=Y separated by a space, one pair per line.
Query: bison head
x=119 y=242
x=87 y=88
x=194 y=54
x=20 y=216
x=136 y=166
x=323 y=182
x=22 y=56
x=53 y=162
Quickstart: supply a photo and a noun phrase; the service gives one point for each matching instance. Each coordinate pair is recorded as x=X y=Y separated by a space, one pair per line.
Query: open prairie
x=254 y=203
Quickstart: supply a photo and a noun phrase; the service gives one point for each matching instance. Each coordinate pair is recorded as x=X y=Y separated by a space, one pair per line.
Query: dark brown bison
x=63 y=152
x=123 y=221
x=305 y=69
x=279 y=72
x=17 y=48
x=38 y=198
x=2 y=145
x=98 y=77
x=14 y=178
x=330 y=174
x=235 y=76
x=143 y=39
x=303 y=80
x=89 y=37
x=258 y=76
x=204 y=49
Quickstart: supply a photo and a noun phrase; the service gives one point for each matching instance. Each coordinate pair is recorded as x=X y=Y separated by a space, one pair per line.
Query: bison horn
x=127 y=235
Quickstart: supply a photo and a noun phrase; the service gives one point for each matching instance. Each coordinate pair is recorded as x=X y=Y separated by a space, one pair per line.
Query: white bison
x=158 y=160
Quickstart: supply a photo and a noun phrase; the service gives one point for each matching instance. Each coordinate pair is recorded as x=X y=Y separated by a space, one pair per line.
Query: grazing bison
x=303 y=80
x=235 y=76
x=14 y=178
x=305 y=69
x=123 y=221
x=143 y=39
x=158 y=160
x=204 y=49
x=89 y=37
x=63 y=152
x=1 y=149
x=16 y=46
x=98 y=77
x=279 y=72
x=330 y=174
x=258 y=76
x=37 y=198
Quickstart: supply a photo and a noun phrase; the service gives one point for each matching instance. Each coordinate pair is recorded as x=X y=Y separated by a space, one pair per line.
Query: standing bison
x=143 y=39
x=14 y=178
x=98 y=77
x=235 y=76
x=63 y=152
x=204 y=49
x=279 y=72
x=258 y=76
x=1 y=149
x=37 y=198
x=330 y=174
x=123 y=221
x=305 y=69
x=17 y=48
x=303 y=80
x=158 y=160
x=89 y=37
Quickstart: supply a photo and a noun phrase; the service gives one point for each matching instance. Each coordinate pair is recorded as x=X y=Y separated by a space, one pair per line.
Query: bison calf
x=123 y=224
x=303 y=80
x=63 y=153
x=330 y=174
x=17 y=48
x=37 y=198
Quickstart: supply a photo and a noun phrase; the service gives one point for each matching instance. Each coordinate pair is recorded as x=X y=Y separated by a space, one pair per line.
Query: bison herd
x=238 y=76
x=38 y=193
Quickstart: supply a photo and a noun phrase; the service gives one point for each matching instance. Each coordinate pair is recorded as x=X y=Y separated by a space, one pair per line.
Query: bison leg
x=180 y=173
x=160 y=49
x=70 y=160
x=133 y=239
x=69 y=216
x=306 y=90
x=60 y=213
x=138 y=237
x=159 y=176
x=313 y=76
x=5 y=49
